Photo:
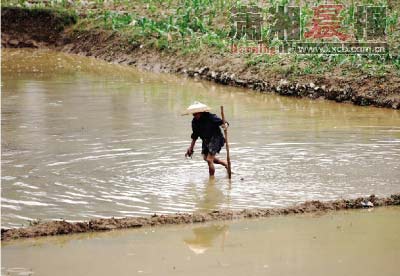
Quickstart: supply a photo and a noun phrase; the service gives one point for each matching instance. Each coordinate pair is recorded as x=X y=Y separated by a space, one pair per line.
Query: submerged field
x=364 y=242
x=92 y=146
x=83 y=139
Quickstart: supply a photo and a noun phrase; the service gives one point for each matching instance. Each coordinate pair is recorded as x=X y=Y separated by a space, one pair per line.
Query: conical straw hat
x=196 y=107
x=197 y=248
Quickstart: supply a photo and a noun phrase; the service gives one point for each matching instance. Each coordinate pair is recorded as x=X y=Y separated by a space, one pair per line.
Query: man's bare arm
x=189 y=151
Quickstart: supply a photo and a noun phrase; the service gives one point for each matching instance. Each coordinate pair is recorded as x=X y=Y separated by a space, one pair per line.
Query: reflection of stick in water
x=204 y=237
x=223 y=240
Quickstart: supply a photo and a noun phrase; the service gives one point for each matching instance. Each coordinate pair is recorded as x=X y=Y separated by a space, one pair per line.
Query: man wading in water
x=207 y=126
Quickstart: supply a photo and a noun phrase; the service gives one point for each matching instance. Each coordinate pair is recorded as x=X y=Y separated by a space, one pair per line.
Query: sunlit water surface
x=84 y=139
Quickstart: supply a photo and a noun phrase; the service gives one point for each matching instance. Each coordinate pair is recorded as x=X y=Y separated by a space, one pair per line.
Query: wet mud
x=52 y=228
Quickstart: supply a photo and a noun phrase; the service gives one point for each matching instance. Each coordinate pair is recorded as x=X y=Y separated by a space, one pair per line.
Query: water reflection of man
x=207 y=126
x=204 y=237
x=213 y=196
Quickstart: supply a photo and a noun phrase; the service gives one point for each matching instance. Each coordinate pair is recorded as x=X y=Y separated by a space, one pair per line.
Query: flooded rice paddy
x=364 y=242
x=84 y=139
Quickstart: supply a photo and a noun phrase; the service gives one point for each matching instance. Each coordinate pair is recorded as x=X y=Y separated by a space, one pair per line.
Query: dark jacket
x=206 y=127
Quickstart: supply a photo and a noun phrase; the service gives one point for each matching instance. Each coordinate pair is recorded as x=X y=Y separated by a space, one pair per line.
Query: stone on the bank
x=283 y=82
x=13 y=42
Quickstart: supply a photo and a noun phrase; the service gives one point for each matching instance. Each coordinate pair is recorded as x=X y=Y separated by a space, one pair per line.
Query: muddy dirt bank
x=233 y=70
x=33 y=28
x=20 y=29
x=52 y=228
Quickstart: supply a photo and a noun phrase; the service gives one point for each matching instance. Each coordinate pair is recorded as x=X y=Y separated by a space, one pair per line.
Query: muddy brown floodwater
x=363 y=242
x=83 y=139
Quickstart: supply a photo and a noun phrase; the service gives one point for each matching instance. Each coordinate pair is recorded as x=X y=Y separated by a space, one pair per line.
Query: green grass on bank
x=205 y=26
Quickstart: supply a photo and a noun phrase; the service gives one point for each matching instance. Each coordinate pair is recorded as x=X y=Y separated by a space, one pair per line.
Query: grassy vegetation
x=204 y=26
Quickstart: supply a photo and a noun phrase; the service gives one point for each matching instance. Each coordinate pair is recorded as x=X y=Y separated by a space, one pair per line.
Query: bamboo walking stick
x=228 y=159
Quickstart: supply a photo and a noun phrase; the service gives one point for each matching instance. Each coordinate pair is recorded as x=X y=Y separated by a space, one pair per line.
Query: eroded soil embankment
x=52 y=228
x=37 y=29
x=33 y=28
x=230 y=69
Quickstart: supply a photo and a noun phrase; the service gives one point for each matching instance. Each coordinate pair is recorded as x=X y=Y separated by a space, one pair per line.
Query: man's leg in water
x=220 y=162
x=215 y=161
x=210 y=161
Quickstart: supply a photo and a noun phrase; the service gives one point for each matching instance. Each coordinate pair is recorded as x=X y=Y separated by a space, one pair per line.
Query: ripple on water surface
x=83 y=139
